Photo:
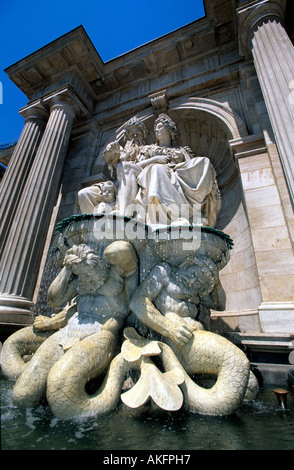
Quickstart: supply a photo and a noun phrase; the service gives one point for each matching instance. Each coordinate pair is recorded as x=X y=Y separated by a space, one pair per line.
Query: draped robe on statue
x=178 y=190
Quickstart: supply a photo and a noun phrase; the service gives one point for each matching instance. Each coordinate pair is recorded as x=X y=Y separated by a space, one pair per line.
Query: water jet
x=281 y=395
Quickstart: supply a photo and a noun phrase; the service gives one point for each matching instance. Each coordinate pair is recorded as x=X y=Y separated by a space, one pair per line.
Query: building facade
x=227 y=80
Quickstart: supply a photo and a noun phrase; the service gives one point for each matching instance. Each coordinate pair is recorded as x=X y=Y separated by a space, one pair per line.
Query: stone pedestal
x=270 y=237
x=26 y=237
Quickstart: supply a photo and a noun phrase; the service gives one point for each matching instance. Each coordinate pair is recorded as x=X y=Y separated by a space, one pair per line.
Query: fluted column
x=20 y=260
x=263 y=34
x=19 y=166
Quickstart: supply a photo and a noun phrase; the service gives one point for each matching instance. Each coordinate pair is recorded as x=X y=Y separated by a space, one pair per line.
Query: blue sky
x=114 y=27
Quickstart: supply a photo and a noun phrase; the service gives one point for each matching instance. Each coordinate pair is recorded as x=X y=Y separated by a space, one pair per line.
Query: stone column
x=19 y=167
x=20 y=261
x=263 y=34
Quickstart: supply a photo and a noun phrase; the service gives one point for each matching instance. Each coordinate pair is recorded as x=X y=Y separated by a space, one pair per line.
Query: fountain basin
x=171 y=244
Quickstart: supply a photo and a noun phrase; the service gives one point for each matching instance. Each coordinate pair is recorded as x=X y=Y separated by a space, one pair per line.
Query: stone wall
x=204 y=75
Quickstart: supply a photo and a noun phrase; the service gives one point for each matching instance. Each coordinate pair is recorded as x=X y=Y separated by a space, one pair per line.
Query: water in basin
x=258 y=425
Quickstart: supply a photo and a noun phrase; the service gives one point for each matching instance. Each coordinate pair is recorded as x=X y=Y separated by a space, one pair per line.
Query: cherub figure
x=99 y=198
x=120 y=162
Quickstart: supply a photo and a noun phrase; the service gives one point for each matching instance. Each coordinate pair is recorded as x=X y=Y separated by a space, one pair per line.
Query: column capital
x=68 y=99
x=35 y=110
x=65 y=106
x=255 y=14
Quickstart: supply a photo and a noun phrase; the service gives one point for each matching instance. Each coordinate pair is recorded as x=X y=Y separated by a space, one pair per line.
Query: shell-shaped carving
x=136 y=346
x=161 y=387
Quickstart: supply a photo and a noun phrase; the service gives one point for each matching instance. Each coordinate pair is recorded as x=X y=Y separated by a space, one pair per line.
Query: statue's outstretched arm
x=43 y=323
x=62 y=289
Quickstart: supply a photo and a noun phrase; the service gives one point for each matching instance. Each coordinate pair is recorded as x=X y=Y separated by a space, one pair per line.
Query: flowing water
x=258 y=425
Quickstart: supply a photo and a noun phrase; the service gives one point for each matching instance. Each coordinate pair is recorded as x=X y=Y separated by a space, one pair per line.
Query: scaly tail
x=23 y=342
x=208 y=353
x=86 y=360
x=30 y=387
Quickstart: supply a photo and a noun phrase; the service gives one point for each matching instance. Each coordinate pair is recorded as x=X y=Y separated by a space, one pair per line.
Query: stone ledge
x=273 y=375
x=264 y=342
x=277 y=317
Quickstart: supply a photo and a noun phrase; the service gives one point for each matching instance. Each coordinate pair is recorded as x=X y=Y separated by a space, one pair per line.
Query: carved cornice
x=247 y=146
x=73 y=60
x=254 y=14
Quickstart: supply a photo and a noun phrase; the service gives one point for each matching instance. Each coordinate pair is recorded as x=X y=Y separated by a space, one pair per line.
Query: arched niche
x=207 y=127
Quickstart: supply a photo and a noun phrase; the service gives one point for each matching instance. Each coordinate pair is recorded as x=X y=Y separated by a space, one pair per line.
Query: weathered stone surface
x=211 y=78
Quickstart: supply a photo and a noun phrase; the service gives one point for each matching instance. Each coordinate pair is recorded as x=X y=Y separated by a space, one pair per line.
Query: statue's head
x=91 y=267
x=135 y=130
x=165 y=123
x=200 y=275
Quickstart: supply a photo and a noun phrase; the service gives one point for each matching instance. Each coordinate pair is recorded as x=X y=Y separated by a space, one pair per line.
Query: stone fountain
x=139 y=274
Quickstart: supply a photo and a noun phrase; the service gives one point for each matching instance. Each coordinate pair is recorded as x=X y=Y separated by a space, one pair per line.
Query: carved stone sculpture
x=92 y=335
x=132 y=301
x=160 y=184
x=173 y=180
x=119 y=160
x=99 y=198
x=102 y=285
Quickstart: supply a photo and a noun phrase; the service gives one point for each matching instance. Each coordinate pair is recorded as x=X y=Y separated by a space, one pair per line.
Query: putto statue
x=99 y=198
x=119 y=319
